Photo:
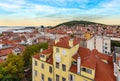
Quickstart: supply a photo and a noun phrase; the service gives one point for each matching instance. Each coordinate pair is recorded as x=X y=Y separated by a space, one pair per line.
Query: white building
x=101 y=43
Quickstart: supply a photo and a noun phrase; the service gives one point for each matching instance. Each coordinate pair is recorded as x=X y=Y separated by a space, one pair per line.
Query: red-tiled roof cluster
x=6 y=51
x=93 y=59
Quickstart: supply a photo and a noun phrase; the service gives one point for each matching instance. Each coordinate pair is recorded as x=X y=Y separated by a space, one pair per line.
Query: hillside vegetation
x=75 y=23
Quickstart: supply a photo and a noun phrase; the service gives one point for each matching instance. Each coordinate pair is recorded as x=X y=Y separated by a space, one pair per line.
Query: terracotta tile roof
x=76 y=41
x=93 y=60
x=89 y=62
x=50 y=59
x=87 y=59
x=73 y=68
x=101 y=55
x=104 y=72
x=47 y=51
x=4 y=52
x=63 y=43
x=37 y=56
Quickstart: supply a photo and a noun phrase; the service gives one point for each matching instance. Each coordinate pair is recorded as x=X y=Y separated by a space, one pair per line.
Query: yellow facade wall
x=40 y=71
x=87 y=74
x=79 y=77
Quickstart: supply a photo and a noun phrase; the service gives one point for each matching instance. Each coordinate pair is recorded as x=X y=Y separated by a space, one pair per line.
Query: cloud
x=6 y=5
x=59 y=9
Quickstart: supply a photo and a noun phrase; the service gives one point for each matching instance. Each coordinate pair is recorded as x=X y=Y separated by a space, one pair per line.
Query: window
x=50 y=69
x=105 y=47
x=35 y=63
x=83 y=69
x=105 y=51
x=42 y=55
x=42 y=77
x=105 y=43
x=63 y=67
x=57 y=78
x=57 y=50
x=89 y=71
x=35 y=72
x=86 y=70
x=63 y=79
x=74 y=63
x=42 y=66
x=49 y=79
x=57 y=65
x=71 y=78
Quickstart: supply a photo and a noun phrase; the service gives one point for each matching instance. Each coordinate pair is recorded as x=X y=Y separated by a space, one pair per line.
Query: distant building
x=116 y=62
x=101 y=43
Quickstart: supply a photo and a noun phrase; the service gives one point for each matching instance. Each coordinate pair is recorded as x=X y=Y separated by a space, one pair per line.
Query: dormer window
x=74 y=63
x=86 y=70
x=42 y=56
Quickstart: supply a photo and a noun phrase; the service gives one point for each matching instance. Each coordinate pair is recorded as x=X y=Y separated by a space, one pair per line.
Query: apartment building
x=66 y=61
x=101 y=43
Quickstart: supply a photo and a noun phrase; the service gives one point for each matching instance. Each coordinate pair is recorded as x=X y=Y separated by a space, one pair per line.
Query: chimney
x=41 y=50
x=78 y=64
x=57 y=40
x=71 y=42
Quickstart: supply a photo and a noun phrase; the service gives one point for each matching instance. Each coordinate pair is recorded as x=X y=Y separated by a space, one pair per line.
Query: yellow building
x=66 y=61
x=88 y=35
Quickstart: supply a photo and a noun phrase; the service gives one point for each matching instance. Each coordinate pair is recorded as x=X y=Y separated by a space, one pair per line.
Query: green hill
x=75 y=23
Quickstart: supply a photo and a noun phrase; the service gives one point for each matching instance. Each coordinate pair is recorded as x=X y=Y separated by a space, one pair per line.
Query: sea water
x=9 y=28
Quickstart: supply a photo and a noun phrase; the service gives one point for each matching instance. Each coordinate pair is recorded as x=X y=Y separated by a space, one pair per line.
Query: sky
x=53 y=12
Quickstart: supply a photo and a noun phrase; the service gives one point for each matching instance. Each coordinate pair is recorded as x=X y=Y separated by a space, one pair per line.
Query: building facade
x=66 y=61
x=101 y=43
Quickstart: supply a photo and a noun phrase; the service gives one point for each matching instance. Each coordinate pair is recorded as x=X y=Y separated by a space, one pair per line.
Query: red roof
x=93 y=60
x=37 y=56
x=4 y=52
x=48 y=51
x=50 y=59
x=64 y=42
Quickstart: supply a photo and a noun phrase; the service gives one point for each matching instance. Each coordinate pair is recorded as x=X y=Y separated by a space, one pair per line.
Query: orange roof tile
x=63 y=43
x=4 y=52
x=92 y=59
x=48 y=51
x=37 y=56
x=50 y=59
x=104 y=72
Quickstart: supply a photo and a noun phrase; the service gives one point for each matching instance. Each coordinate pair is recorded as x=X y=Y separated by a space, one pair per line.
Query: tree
x=12 y=68
x=31 y=50
x=114 y=44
